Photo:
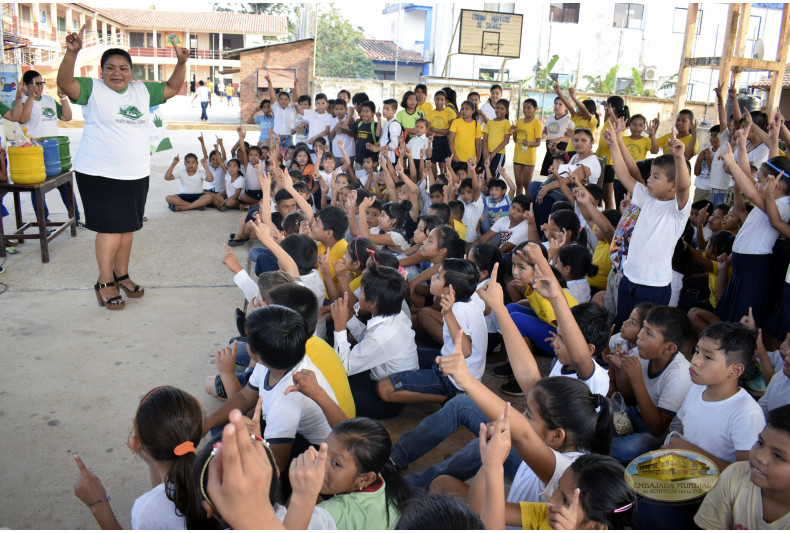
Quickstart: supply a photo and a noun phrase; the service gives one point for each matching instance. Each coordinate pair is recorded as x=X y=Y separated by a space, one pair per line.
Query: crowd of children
x=398 y=257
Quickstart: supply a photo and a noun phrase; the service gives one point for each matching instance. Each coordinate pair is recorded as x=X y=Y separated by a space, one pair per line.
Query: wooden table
x=39 y=189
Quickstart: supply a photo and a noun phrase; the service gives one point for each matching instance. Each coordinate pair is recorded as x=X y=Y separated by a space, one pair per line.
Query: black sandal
x=115 y=303
x=137 y=292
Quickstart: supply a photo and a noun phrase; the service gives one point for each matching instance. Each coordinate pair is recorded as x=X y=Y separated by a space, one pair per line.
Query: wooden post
x=775 y=94
x=740 y=41
x=688 y=43
x=730 y=33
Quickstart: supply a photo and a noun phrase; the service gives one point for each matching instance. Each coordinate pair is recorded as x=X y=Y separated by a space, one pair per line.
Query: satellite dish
x=758 y=50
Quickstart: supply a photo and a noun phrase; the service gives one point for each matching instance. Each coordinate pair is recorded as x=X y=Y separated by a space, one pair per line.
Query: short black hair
x=256 y=149
x=779 y=418
x=421 y=87
x=595 y=191
x=424 y=120
x=613 y=216
x=201 y=82
x=343 y=91
x=341 y=102
x=302 y=250
x=29 y=76
x=456 y=208
x=522 y=200
x=666 y=162
x=299 y=298
x=462 y=275
x=699 y=204
x=716 y=128
x=736 y=341
x=305 y=98
x=496 y=182
x=115 y=52
x=264 y=102
x=593 y=321
x=370 y=105
x=190 y=154
x=436 y=187
x=721 y=242
x=391 y=102
x=276 y=335
x=395 y=211
x=281 y=196
x=360 y=98
x=442 y=211
x=466 y=183
x=321 y=96
x=432 y=512
x=561 y=205
x=334 y=219
x=673 y=324
x=385 y=287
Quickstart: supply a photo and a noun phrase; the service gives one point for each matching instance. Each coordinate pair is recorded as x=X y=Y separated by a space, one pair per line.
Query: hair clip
x=184 y=448
x=624 y=508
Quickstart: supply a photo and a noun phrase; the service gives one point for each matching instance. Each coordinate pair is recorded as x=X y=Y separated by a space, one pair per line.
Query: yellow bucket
x=27 y=164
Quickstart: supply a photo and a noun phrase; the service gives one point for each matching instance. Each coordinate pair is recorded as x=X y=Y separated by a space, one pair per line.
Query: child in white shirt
x=385 y=345
x=191 y=195
x=318 y=120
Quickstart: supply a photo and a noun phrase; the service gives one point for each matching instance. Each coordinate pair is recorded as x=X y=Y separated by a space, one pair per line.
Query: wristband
x=105 y=499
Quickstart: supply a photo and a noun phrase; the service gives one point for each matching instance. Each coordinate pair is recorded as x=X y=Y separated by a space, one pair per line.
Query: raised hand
x=307 y=473
x=454 y=364
x=230 y=260
x=448 y=299
x=226 y=358
x=200 y=137
x=492 y=293
x=74 y=40
x=182 y=54
x=562 y=517
x=495 y=440
x=304 y=382
x=625 y=203
x=88 y=487
x=340 y=313
x=176 y=159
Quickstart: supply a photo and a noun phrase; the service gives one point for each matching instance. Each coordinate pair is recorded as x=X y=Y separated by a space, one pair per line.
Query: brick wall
x=296 y=55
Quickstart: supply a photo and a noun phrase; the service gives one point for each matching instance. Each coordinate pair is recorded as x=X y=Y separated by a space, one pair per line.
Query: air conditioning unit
x=650 y=74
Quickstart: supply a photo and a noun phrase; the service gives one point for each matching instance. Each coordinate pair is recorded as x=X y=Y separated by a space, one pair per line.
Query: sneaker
x=511 y=388
x=241 y=321
x=172 y=208
x=80 y=224
x=237 y=242
x=232 y=235
x=503 y=371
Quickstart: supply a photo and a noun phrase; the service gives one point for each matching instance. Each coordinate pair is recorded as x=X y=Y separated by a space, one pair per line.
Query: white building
x=589 y=38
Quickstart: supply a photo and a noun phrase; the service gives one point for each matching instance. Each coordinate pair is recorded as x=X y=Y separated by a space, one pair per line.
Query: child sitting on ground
x=574 y=262
x=658 y=379
x=462 y=311
x=626 y=338
x=191 y=195
x=385 y=345
x=720 y=420
x=511 y=231
x=457 y=218
x=276 y=338
x=753 y=495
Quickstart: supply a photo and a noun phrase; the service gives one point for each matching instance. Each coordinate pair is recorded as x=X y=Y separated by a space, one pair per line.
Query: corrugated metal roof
x=213 y=21
x=385 y=51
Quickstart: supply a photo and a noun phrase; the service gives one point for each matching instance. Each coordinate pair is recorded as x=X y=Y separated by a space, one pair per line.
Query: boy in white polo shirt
x=276 y=338
x=665 y=208
x=318 y=120
x=191 y=195
x=720 y=420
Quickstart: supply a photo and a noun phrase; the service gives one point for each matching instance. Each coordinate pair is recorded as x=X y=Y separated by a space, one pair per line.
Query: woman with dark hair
x=113 y=161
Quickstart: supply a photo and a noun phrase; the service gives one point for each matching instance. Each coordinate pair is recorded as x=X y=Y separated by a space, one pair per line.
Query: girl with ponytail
x=167 y=428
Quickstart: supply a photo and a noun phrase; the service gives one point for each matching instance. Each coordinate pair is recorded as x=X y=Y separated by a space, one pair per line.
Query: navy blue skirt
x=747 y=288
x=778 y=322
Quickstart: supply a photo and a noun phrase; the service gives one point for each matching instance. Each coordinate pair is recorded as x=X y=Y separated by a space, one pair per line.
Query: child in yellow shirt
x=496 y=136
x=527 y=135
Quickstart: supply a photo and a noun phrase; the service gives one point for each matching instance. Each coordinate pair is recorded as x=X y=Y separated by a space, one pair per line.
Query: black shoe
x=511 y=388
x=241 y=322
x=503 y=371
x=232 y=235
x=237 y=242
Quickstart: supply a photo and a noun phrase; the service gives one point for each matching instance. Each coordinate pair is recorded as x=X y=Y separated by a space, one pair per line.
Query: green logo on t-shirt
x=130 y=112
x=47 y=112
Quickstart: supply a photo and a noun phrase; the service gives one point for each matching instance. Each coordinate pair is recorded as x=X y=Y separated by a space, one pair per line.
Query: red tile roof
x=385 y=51
x=213 y=21
x=766 y=84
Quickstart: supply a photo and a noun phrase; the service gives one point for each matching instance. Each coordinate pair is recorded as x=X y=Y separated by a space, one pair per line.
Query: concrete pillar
x=53 y=15
x=36 y=16
x=69 y=14
x=219 y=45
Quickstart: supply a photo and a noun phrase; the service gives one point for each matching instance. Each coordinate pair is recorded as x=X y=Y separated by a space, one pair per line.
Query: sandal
x=237 y=242
x=114 y=303
x=137 y=292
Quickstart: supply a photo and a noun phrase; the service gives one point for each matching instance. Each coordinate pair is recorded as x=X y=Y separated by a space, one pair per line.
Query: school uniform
x=191 y=186
x=751 y=260
x=385 y=346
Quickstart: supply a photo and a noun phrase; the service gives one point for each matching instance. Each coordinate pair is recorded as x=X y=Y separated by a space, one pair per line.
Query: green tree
x=338 y=52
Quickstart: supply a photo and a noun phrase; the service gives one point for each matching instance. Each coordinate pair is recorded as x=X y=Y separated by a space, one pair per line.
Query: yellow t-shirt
x=542 y=306
x=527 y=131
x=637 y=148
x=460 y=228
x=355 y=283
x=603 y=146
x=426 y=108
x=337 y=251
x=496 y=130
x=603 y=261
x=466 y=134
x=662 y=143
x=534 y=515
x=325 y=358
x=441 y=120
x=736 y=503
x=229 y=90
x=712 y=278
x=579 y=122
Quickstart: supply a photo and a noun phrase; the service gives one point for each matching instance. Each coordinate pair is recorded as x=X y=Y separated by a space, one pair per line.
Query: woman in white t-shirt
x=114 y=182
x=168 y=426
x=556 y=126
x=41 y=120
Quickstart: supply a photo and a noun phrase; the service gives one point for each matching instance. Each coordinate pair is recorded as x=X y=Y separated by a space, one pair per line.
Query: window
x=24 y=13
x=137 y=39
x=622 y=84
x=628 y=16
x=493 y=73
x=384 y=74
x=561 y=12
x=145 y=72
x=679 y=24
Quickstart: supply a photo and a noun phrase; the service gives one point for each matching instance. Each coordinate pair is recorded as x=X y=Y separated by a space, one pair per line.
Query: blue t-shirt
x=265 y=123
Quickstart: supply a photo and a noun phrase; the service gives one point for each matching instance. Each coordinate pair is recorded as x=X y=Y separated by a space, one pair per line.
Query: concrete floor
x=87 y=368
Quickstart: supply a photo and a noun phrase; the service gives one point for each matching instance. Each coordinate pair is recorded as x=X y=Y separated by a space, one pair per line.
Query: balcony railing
x=137 y=51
